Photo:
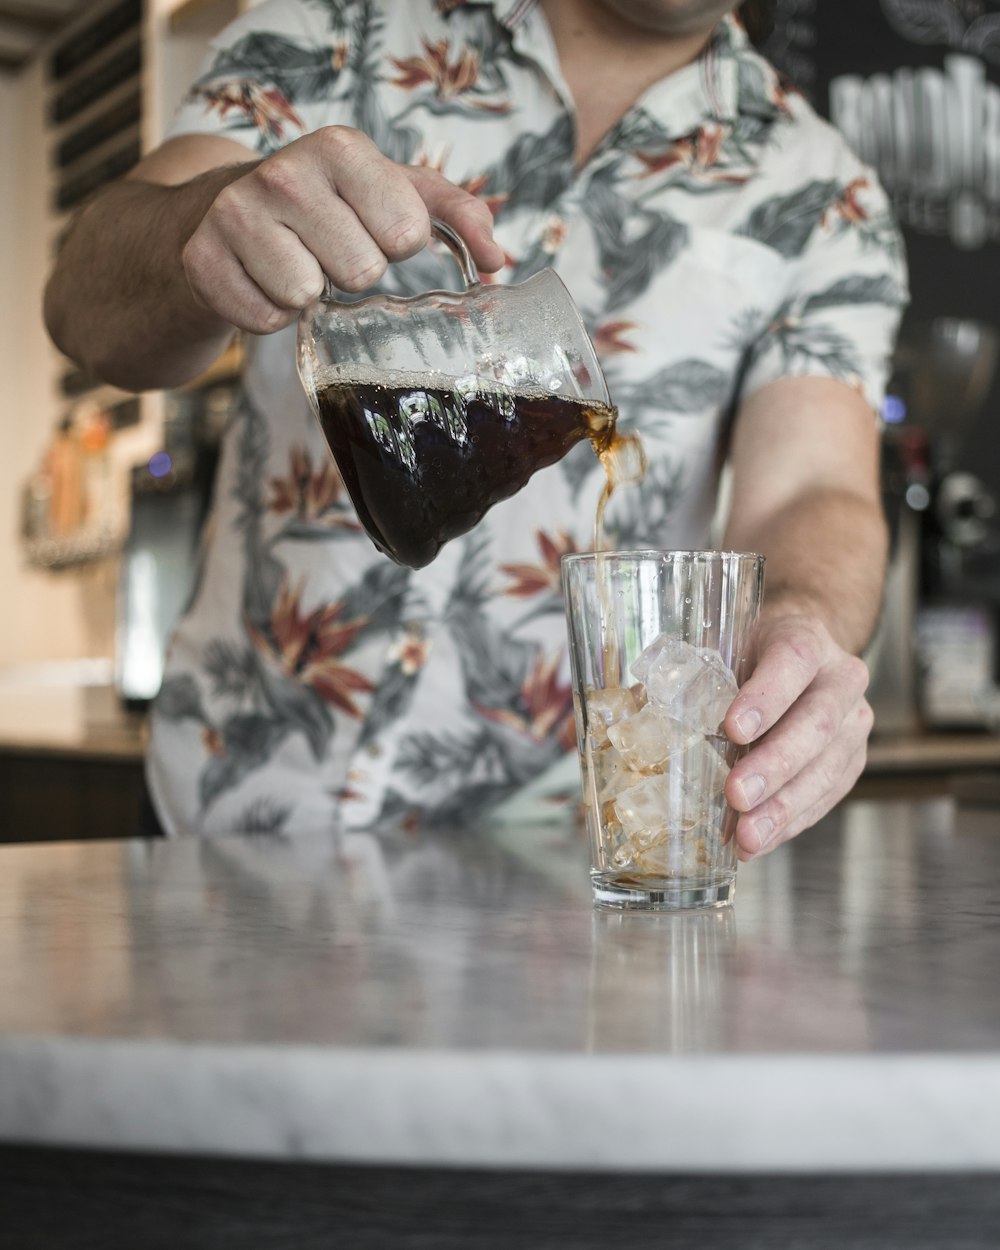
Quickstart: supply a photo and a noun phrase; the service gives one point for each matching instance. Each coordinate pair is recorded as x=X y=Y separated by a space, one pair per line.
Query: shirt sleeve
x=845 y=292
x=270 y=77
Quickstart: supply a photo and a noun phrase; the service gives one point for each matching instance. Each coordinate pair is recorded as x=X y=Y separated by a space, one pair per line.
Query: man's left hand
x=804 y=712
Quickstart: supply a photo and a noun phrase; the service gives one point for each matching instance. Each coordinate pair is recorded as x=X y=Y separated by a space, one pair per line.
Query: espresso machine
x=170 y=498
x=934 y=659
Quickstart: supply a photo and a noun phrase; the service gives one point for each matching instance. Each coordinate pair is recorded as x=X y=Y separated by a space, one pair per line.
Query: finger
x=274 y=258
x=786 y=666
x=810 y=793
x=799 y=804
x=219 y=282
x=378 y=190
x=794 y=652
x=466 y=214
x=802 y=734
x=288 y=216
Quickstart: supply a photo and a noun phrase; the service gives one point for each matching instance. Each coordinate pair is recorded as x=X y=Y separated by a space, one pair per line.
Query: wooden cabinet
x=48 y=796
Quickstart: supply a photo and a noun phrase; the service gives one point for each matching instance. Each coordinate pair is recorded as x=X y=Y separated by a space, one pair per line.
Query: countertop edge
x=684 y=1113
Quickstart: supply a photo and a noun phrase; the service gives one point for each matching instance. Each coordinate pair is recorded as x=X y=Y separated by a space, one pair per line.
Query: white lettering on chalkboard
x=933 y=136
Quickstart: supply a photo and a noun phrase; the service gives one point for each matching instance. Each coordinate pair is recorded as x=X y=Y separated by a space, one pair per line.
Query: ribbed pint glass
x=660 y=641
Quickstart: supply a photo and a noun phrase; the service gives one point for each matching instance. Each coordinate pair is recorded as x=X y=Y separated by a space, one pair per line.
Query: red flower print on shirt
x=609 y=338
x=449 y=78
x=305 y=646
x=311 y=495
x=545 y=706
x=699 y=156
x=848 y=206
x=534 y=579
x=265 y=108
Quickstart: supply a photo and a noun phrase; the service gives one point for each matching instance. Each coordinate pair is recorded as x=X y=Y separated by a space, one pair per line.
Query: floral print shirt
x=720 y=237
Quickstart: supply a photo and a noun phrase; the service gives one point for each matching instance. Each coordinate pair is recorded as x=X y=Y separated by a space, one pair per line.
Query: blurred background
x=103 y=494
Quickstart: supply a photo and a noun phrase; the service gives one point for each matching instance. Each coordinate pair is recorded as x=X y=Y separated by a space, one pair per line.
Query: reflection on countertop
x=454 y=997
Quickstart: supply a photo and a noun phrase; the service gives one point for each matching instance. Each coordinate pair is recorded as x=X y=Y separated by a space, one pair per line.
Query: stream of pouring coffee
x=623 y=459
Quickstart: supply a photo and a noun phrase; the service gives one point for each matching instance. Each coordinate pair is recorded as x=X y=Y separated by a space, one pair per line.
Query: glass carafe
x=438 y=406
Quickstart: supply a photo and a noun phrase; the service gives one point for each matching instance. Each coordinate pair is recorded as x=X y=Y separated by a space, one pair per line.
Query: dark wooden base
x=97 y=1200
x=61 y=798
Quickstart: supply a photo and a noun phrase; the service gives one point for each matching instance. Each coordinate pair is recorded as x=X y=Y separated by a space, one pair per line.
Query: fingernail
x=752 y=789
x=748 y=723
x=763 y=829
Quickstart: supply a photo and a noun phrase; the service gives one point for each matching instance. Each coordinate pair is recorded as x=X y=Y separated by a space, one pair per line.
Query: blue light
x=893 y=410
x=160 y=464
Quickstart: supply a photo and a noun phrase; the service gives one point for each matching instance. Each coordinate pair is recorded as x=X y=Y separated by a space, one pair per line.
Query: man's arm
x=805 y=493
x=118 y=300
x=158 y=269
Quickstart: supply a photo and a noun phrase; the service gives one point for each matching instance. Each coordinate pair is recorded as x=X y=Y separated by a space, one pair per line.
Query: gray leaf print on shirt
x=856 y=289
x=300 y=73
x=377 y=598
x=231 y=668
x=786 y=222
x=398 y=143
x=249 y=742
x=641 y=515
x=687 y=386
x=391 y=700
x=179 y=698
x=494 y=664
x=534 y=170
x=635 y=244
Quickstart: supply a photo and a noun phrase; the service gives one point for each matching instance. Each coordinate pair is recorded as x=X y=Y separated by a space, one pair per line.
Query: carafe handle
x=452 y=241
x=456 y=245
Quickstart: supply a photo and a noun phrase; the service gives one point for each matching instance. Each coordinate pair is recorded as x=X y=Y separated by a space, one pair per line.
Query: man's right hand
x=158 y=268
x=328 y=204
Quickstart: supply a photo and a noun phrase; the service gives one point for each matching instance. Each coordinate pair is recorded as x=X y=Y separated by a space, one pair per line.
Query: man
x=738 y=272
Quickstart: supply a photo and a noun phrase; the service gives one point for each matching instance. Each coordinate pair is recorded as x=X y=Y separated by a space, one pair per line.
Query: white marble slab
x=686 y=1114
x=455 y=1000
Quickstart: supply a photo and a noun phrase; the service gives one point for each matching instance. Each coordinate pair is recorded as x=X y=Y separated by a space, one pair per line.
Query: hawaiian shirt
x=720 y=237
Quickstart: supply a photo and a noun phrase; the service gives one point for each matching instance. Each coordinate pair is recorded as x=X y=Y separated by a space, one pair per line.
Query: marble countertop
x=455 y=999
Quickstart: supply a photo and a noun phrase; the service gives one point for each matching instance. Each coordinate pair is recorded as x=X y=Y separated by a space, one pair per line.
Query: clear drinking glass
x=660 y=641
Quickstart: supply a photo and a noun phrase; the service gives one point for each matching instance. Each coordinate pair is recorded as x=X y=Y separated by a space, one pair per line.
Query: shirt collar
x=509 y=13
x=728 y=79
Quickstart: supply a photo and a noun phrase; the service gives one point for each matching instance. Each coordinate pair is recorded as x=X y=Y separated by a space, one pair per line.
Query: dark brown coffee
x=423 y=464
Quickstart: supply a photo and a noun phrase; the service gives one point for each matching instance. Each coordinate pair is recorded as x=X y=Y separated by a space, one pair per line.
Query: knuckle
x=858 y=673
x=866 y=715
x=782 y=762
x=229 y=207
x=405 y=236
x=268 y=319
x=832 y=775
x=193 y=257
x=778 y=811
x=339 y=139
x=806 y=650
x=825 y=718
x=359 y=273
x=305 y=293
x=279 y=178
x=348 y=151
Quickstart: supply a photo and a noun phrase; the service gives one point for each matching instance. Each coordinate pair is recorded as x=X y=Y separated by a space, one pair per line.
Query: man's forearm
x=826 y=555
x=118 y=301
